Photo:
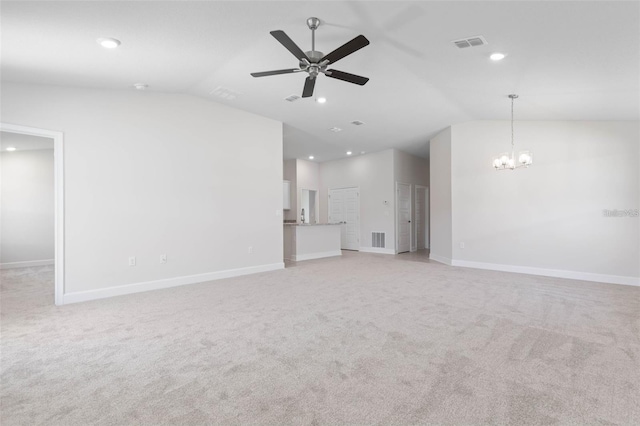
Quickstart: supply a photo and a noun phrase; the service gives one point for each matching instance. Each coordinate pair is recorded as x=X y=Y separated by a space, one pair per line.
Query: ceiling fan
x=314 y=62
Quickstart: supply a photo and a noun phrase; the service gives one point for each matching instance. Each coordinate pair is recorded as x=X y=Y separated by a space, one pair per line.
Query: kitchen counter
x=305 y=241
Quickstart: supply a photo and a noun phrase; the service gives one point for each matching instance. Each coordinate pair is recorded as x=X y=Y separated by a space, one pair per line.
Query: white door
x=420 y=219
x=344 y=208
x=403 y=217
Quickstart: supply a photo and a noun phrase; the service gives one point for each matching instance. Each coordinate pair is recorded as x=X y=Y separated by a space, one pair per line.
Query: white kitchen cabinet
x=286 y=195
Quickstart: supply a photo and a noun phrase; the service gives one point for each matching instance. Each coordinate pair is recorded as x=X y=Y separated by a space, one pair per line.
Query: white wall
x=307 y=177
x=548 y=216
x=289 y=173
x=413 y=170
x=373 y=174
x=27 y=211
x=440 y=215
x=149 y=174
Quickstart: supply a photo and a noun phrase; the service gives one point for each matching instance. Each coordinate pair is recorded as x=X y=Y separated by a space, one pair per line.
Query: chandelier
x=506 y=161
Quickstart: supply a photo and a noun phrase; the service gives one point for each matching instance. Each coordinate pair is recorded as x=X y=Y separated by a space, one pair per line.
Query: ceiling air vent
x=470 y=42
x=357 y=123
x=292 y=98
x=224 y=93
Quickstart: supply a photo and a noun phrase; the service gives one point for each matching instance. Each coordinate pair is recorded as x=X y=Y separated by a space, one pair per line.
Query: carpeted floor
x=362 y=339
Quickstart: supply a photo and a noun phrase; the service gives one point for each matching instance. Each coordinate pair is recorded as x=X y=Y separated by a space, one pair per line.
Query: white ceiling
x=23 y=142
x=566 y=60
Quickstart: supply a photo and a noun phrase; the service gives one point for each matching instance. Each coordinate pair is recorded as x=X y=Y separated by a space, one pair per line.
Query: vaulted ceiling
x=566 y=60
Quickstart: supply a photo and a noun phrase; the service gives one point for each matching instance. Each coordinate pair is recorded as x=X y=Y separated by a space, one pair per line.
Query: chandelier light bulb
x=524 y=158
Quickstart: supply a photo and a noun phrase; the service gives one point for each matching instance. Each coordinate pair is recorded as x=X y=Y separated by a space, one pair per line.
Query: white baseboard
x=83 y=296
x=440 y=259
x=299 y=257
x=26 y=264
x=377 y=250
x=558 y=273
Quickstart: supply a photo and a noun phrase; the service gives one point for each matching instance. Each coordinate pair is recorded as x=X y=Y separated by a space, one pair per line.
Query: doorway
x=422 y=217
x=30 y=135
x=403 y=217
x=344 y=208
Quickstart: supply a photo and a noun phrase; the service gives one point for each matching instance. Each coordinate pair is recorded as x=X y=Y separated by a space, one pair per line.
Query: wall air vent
x=470 y=42
x=224 y=93
x=292 y=98
x=377 y=239
x=357 y=123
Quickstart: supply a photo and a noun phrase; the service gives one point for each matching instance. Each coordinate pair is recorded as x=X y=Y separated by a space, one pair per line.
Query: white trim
x=83 y=296
x=558 y=273
x=58 y=181
x=377 y=250
x=26 y=264
x=440 y=259
x=298 y=258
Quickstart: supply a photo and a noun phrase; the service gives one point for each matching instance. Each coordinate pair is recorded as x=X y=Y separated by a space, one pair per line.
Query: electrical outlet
x=163 y=258
x=250 y=249
x=132 y=261
x=462 y=245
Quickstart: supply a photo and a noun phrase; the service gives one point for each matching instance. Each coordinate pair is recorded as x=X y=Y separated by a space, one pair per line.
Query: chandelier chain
x=512 y=143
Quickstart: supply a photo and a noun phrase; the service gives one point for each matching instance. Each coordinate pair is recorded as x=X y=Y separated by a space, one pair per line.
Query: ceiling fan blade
x=346 y=49
x=345 y=76
x=309 y=84
x=275 y=72
x=289 y=44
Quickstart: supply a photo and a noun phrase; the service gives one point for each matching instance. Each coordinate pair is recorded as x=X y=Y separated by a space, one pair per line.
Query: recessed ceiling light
x=335 y=129
x=11 y=148
x=349 y=153
x=141 y=86
x=108 y=43
x=362 y=152
x=497 y=56
x=321 y=100
x=311 y=157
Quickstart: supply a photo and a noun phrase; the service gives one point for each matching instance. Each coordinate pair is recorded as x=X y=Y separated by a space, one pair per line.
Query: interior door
x=403 y=217
x=344 y=208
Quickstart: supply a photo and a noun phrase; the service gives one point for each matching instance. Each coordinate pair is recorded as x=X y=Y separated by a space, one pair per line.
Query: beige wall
x=27 y=208
x=149 y=174
x=549 y=216
x=373 y=174
x=440 y=196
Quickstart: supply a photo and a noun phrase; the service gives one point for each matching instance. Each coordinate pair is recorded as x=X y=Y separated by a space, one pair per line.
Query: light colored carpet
x=362 y=339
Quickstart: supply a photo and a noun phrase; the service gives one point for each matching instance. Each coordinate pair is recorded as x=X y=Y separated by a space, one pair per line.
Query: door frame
x=426 y=214
x=397 y=216
x=58 y=184
x=357 y=188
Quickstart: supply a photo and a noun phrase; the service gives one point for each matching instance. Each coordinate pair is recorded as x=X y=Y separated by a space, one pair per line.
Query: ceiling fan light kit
x=507 y=161
x=314 y=62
